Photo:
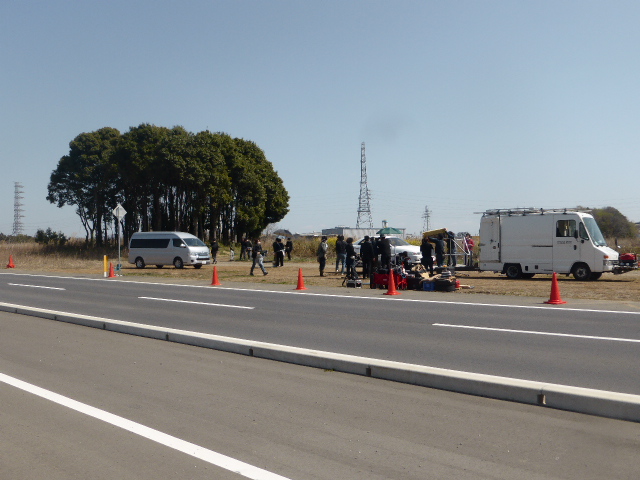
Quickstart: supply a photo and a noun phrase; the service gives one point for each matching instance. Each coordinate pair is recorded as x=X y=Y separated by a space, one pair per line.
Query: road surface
x=592 y=348
x=276 y=419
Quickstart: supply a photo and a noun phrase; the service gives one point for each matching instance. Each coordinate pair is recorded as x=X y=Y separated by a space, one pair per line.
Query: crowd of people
x=375 y=253
x=254 y=251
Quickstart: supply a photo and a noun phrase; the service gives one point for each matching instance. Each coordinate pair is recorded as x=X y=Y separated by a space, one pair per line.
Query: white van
x=398 y=245
x=522 y=242
x=168 y=248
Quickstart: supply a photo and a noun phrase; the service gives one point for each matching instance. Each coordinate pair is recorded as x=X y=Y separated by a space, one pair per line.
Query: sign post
x=119 y=212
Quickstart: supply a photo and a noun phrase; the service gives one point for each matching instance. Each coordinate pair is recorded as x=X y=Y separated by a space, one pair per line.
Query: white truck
x=521 y=242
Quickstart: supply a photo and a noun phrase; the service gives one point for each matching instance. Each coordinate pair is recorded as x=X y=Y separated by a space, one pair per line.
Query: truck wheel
x=139 y=262
x=513 y=271
x=527 y=275
x=197 y=266
x=582 y=272
x=178 y=263
x=595 y=275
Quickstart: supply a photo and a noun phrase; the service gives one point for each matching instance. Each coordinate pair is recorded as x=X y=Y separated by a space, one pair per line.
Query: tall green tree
x=142 y=167
x=207 y=181
x=169 y=179
x=274 y=197
x=87 y=179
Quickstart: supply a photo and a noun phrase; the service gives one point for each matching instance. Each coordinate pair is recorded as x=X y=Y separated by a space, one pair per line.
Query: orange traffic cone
x=11 y=264
x=112 y=273
x=392 y=285
x=555 y=292
x=214 y=280
x=300 y=281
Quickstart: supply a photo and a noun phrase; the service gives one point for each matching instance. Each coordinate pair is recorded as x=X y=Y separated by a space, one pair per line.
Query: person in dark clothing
x=439 y=248
x=278 y=253
x=405 y=260
x=426 y=249
x=351 y=258
x=341 y=254
x=288 y=248
x=376 y=252
x=214 y=251
x=367 y=254
x=243 y=249
x=384 y=249
x=247 y=246
x=321 y=253
x=376 y=247
x=256 y=254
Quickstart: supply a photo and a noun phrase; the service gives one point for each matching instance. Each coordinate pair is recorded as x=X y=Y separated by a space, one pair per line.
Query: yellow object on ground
x=432 y=233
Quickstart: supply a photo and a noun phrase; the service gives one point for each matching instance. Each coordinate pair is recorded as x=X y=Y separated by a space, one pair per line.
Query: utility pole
x=364 y=208
x=426 y=219
x=17 y=209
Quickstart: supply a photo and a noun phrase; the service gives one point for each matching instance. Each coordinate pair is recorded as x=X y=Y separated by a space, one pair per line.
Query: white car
x=398 y=245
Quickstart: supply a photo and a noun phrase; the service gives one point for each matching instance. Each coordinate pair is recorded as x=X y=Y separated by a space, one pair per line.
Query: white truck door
x=566 y=247
x=490 y=240
x=587 y=252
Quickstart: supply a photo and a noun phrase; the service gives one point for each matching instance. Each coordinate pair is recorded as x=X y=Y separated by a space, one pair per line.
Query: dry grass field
x=33 y=258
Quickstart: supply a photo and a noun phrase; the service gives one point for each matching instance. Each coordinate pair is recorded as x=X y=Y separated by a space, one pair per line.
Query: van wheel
x=595 y=275
x=197 y=266
x=582 y=272
x=527 y=275
x=513 y=271
x=139 y=262
x=178 y=263
x=159 y=266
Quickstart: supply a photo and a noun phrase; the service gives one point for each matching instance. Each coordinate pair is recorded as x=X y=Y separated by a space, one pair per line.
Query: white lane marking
x=215 y=458
x=533 y=332
x=197 y=303
x=352 y=297
x=35 y=286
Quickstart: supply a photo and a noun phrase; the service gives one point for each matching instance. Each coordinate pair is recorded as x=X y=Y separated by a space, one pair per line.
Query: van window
x=566 y=228
x=194 y=242
x=177 y=242
x=583 y=232
x=149 y=243
x=596 y=235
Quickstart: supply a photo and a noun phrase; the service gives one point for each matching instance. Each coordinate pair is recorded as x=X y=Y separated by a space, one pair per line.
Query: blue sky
x=463 y=105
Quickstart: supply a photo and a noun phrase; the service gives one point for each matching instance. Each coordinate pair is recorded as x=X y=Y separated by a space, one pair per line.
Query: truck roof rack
x=529 y=211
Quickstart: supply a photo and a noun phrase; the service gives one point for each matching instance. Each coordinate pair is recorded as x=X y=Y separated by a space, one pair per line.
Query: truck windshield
x=594 y=231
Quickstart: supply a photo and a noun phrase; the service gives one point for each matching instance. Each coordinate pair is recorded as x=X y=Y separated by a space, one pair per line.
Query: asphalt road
x=288 y=421
x=579 y=347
